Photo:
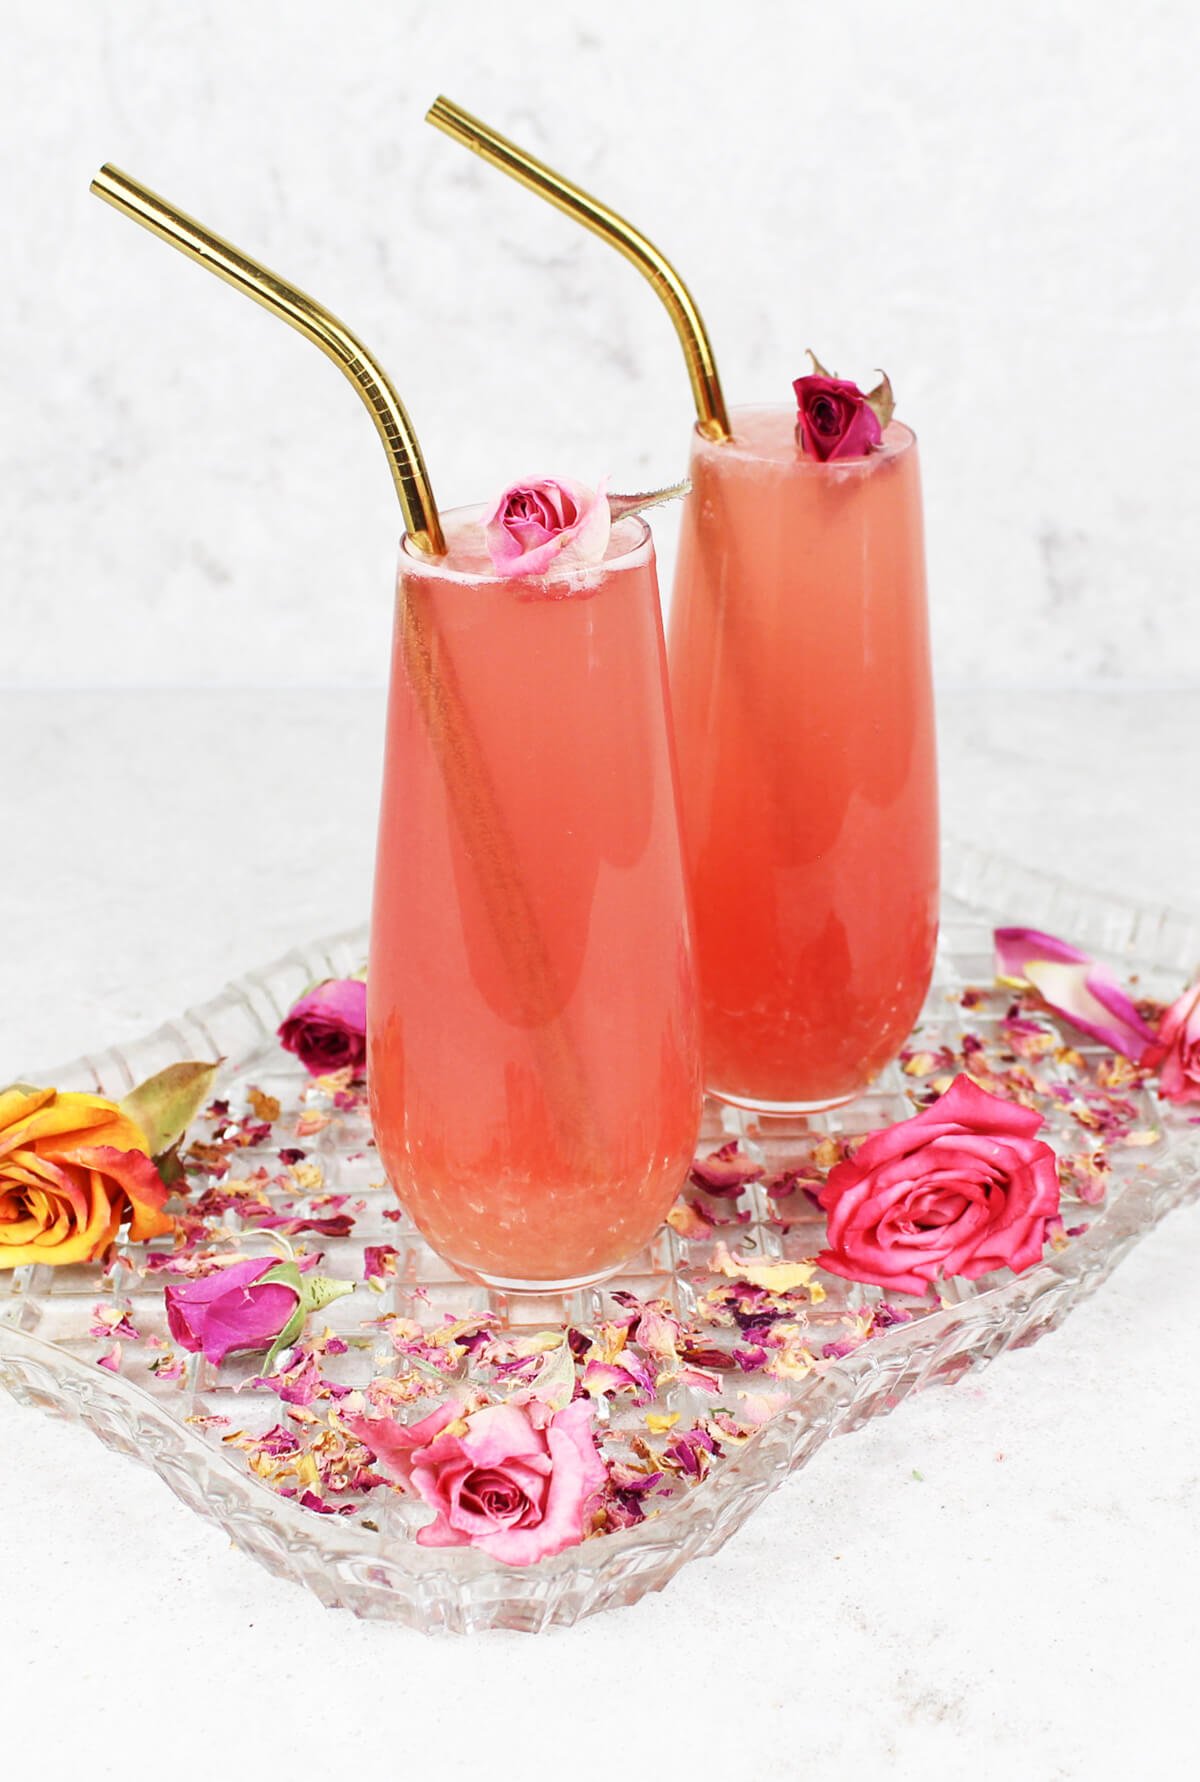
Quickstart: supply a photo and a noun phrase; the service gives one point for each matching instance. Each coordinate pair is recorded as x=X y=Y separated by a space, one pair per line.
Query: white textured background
x=995 y=203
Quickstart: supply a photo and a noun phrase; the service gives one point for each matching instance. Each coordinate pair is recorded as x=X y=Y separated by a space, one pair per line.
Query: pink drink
x=533 y=1025
x=803 y=707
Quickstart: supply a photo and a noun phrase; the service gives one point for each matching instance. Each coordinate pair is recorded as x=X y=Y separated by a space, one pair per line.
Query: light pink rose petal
x=394 y=1444
x=1015 y=947
x=658 y=1334
x=499 y=1433
x=1095 y=1003
x=1075 y=986
x=439 y=1533
x=590 y=540
x=438 y=1471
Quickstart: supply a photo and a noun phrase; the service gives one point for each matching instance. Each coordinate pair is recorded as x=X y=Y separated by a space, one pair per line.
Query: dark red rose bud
x=327 y=1028
x=836 y=419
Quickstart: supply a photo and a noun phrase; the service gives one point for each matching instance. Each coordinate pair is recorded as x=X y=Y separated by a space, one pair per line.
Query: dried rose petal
x=725 y=1172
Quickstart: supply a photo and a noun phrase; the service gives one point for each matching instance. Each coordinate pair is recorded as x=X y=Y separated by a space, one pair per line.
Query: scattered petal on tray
x=219 y=1254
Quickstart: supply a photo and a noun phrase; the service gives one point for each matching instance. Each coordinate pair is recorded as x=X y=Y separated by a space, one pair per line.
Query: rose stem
x=474 y=799
x=520 y=165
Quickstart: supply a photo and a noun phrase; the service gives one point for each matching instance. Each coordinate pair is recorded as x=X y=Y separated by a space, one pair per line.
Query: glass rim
x=903 y=440
x=570 y=571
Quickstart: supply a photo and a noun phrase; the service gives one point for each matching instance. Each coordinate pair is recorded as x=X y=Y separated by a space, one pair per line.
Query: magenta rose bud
x=1176 y=1051
x=260 y=1303
x=533 y=523
x=327 y=1028
x=513 y=1480
x=962 y=1188
x=835 y=418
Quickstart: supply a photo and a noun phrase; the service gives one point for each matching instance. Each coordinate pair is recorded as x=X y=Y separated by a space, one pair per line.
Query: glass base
x=780 y=1109
x=502 y=1284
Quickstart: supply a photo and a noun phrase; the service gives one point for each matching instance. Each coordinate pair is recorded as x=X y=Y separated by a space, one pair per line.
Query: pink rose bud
x=514 y=1480
x=533 y=523
x=260 y=1303
x=1075 y=986
x=1176 y=1051
x=962 y=1188
x=327 y=1028
x=836 y=419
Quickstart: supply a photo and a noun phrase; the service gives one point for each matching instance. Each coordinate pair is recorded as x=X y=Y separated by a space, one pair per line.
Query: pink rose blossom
x=513 y=1480
x=327 y=1028
x=259 y=1303
x=835 y=418
x=962 y=1188
x=533 y=523
x=1076 y=987
x=1176 y=1052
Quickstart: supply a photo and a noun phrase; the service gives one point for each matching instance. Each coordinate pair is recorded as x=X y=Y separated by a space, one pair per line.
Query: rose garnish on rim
x=838 y=420
x=534 y=523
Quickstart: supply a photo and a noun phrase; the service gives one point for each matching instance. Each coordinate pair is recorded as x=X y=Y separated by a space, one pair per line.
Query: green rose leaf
x=165 y=1105
x=317 y=1291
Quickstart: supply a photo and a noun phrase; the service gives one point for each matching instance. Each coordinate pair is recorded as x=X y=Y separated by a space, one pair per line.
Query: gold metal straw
x=522 y=166
x=309 y=318
x=461 y=757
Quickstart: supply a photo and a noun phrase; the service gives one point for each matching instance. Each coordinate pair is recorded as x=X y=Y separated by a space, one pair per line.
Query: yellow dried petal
x=920 y=1064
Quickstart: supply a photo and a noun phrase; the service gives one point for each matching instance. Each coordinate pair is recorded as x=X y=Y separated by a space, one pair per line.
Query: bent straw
x=511 y=913
x=310 y=319
x=460 y=756
x=520 y=165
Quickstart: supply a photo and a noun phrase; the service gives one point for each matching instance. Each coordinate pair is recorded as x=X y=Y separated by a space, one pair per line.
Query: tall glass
x=801 y=686
x=533 y=1023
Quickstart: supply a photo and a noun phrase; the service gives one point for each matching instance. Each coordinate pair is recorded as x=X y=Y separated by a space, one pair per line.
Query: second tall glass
x=533 y=1026
x=803 y=704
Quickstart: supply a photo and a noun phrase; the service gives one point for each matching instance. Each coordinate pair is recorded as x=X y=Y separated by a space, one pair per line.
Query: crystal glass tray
x=368 y=1561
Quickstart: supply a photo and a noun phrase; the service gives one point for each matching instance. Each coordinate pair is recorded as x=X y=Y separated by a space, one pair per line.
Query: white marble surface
x=992 y=203
x=1027 y=1607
